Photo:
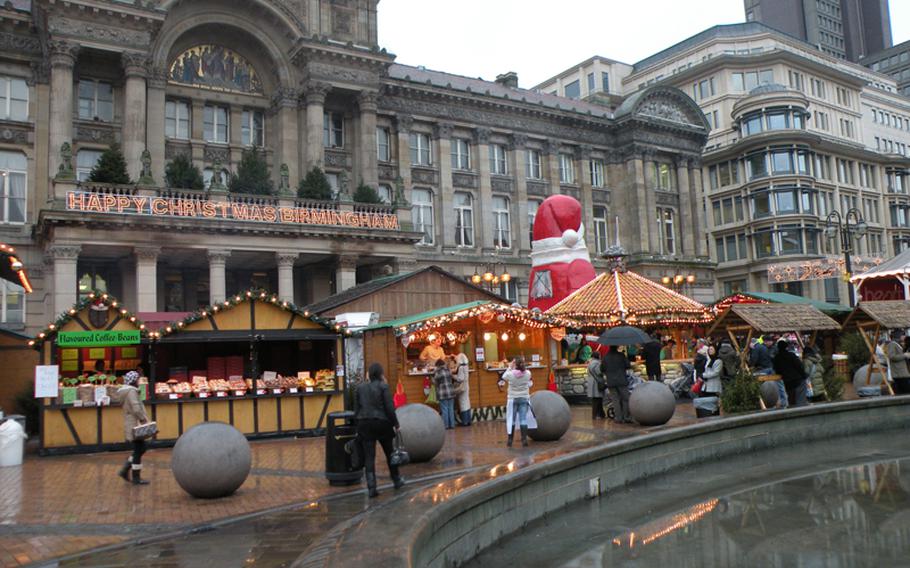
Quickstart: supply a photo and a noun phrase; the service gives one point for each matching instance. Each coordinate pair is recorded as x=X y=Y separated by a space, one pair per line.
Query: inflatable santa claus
x=559 y=258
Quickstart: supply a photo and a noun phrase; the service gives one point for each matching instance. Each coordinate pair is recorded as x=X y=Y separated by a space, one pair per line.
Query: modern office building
x=894 y=62
x=796 y=134
x=846 y=29
x=461 y=163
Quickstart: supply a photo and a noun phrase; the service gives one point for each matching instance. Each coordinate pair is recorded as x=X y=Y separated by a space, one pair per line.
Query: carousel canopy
x=889 y=314
x=616 y=296
x=774 y=318
x=898 y=266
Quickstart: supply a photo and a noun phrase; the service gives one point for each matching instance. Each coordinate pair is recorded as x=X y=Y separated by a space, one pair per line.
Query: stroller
x=682 y=386
x=634 y=381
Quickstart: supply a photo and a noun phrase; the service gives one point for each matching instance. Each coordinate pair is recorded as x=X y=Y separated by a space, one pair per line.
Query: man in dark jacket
x=652 y=359
x=792 y=372
x=614 y=366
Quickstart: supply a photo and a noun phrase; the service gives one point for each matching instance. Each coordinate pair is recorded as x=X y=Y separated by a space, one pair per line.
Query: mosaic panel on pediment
x=215 y=67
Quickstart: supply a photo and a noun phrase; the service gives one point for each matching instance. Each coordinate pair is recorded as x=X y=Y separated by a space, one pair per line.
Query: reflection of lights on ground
x=662 y=527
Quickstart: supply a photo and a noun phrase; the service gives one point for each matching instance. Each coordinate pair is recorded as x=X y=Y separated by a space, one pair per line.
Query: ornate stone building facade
x=461 y=163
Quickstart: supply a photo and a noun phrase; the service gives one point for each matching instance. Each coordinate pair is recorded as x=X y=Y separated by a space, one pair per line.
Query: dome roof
x=769 y=88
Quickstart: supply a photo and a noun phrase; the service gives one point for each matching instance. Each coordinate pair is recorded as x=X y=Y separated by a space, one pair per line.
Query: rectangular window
x=761 y=205
x=13 y=176
x=96 y=100
x=533 y=205
x=665 y=225
x=738 y=83
x=85 y=162
x=498 y=163
x=721 y=251
x=572 y=90
x=533 y=165
x=718 y=217
x=591 y=83
x=252 y=130
x=420 y=149
x=663 y=177
x=566 y=169
x=461 y=154
x=597 y=173
x=422 y=212
x=13 y=98
x=464 y=219
x=333 y=130
x=756 y=165
x=781 y=162
x=727 y=205
x=786 y=202
x=605 y=81
x=601 y=230
x=177 y=120
x=502 y=224
x=215 y=124
x=383 y=145
x=764 y=244
x=778 y=120
x=13 y=308
x=791 y=241
x=796 y=80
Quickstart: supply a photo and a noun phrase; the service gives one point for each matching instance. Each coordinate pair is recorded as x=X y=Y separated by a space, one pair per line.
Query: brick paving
x=59 y=506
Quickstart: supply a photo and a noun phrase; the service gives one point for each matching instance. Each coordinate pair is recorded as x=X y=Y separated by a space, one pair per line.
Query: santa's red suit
x=559 y=258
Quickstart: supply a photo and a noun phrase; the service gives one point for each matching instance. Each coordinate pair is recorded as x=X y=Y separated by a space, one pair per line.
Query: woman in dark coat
x=376 y=422
x=793 y=374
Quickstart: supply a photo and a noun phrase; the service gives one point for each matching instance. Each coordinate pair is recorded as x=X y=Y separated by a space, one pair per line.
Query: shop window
x=420 y=149
x=13 y=98
x=502 y=224
x=13 y=184
x=498 y=163
x=764 y=244
x=461 y=154
x=333 y=130
x=422 y=213
x=601 y=230
x=215 y=124
x=566 y=169
x=252 y=131
x=85 y=162
x=383 y=145
x=464 y=219
x=96 y=100
x=533 y=165
x=177 y=120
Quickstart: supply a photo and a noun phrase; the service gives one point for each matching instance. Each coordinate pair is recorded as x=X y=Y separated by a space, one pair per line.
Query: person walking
x=376 y=421
x=614 y=367
x=713 y=372
x=133 y=415
x=596 y=386
x=518 y=399
x=652 y=350
x=445 y=393
x=792 y=372
x=463 y=387
x=897 y=362
x=812 y=361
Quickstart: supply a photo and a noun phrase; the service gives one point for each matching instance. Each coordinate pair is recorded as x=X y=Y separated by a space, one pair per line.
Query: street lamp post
x=850 y=226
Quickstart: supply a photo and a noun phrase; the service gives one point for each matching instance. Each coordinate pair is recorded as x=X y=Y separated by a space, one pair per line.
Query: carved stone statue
x=284 y=186
x=65 y=171
x=399 y=200
x=217 y=183
x=145 y=176
x=344 y=191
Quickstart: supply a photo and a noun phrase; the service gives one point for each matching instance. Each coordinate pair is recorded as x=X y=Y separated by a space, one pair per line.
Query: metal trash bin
x=340 y=429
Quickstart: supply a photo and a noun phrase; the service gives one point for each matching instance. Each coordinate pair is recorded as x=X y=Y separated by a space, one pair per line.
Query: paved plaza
x=61 y=506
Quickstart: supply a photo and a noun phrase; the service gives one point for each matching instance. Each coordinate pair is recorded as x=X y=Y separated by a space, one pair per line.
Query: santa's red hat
x=559 y=217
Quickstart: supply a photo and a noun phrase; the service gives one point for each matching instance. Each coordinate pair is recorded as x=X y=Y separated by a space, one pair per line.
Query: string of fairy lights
x=93 y=298
x=486 y=313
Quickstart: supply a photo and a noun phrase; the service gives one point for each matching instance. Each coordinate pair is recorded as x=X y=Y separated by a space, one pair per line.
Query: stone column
x=134 y=111
x=63 y=58
x=686 y=233
x=286 y=262
x=446 y=215
x=638 y=186
x=483 y=221
x=369 y=169
x=651 y=233
x=518 y=147
x=65 y=259
x=345 y=273
x=552 y=171
x=284 y=116
x=583 y=175
x=217 y=282
x=699 y=226
x=403 y=125
x=147 y=278
x=154 y=124
x=315 y=109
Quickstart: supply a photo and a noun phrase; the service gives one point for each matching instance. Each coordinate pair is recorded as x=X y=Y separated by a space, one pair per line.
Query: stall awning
x=890 y=314
x=780 y=298
x=898 y=266
x=616 y=296
x=774 y=318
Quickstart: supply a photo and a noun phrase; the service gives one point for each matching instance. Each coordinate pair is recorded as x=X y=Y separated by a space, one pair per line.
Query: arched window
x=13 y=184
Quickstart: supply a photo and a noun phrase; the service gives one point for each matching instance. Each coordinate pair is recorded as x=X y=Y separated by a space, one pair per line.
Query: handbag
x=143 y=431
x=354 y=448
x=400 y=398
x=400 y=456
x=431 y=397
x=699 y=384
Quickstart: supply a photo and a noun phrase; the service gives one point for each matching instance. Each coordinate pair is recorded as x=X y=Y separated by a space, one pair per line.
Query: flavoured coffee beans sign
x=207 y=209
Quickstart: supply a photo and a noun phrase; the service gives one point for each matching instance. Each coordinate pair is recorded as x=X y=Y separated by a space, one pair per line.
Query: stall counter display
x=670 y=369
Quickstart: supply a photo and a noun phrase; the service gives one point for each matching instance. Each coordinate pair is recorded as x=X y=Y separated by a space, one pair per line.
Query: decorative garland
x=251 y=295
x=524 y=316
x=96 y=298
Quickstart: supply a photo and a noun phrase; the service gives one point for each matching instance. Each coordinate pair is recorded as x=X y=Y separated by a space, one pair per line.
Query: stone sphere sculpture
x=211 y=460
x=769 y=393
x=859 y=378
x=553 y=416
x=652 y=403
x=422 y=431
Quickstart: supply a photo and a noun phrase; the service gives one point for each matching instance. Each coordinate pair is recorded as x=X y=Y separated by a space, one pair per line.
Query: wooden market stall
x=201 y=368
x=889 y=280
x=16 y=358
x=741 y=322
x=489 y=333
x=872 y=320
x=620 y=297
x=836 y=311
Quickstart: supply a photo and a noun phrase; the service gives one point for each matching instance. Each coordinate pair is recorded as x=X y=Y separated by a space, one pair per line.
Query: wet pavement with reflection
x=838 y=503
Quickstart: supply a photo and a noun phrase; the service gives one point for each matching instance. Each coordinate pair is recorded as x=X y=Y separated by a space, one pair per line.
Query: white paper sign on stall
x=46 y=379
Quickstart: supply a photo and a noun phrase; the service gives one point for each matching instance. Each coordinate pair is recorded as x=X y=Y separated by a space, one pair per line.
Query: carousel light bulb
x=665 y=280
x=505 y=277
x=487 y=336
x=690 y=279
x=504 y=337
x=522 y=336
x=431 y=337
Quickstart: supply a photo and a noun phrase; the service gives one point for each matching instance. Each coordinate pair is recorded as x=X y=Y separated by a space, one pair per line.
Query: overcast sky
x=540 y=38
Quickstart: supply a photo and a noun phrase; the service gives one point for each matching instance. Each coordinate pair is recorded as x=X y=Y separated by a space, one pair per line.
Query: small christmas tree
x=252 y=174
x=180 y=173
x=366 y=194
x=315 y=185
x=110 y=168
